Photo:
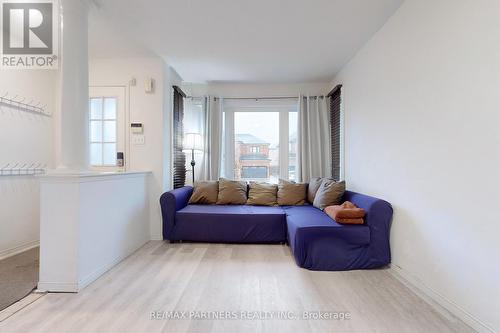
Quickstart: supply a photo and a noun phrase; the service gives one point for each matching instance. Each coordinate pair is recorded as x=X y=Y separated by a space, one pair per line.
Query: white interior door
x=107 y=127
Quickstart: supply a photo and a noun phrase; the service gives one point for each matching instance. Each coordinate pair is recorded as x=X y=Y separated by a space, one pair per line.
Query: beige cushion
x=205 y=192
x=262 y=194
x=329 y=193
x=291 y=193
x=232 y=192
x=313 y=187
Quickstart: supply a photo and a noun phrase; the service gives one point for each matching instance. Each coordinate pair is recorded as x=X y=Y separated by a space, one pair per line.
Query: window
x=106 y=127
x=193 y=123
x=260 y=139
x=255 y=149
x=252 y=129
x=103 y=131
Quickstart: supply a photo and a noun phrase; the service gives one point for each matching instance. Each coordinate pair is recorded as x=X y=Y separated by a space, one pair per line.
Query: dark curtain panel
x=179 y=156
x=335 y=100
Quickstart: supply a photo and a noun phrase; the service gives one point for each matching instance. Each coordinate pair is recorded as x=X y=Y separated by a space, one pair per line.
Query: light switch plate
x=138 y=139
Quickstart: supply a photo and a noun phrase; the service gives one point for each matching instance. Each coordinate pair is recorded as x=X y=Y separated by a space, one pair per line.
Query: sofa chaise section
x=319 y=243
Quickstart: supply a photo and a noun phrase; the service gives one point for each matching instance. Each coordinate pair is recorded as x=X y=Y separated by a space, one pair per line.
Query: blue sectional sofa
x=316 y=241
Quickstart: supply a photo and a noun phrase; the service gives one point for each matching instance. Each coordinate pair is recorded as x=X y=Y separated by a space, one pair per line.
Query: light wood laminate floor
x=215 y=277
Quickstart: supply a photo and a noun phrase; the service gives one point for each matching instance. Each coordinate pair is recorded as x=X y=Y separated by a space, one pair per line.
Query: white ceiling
x=286 y=41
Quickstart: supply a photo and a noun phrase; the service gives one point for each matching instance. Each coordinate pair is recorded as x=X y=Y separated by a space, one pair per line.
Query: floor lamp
x=192 y=142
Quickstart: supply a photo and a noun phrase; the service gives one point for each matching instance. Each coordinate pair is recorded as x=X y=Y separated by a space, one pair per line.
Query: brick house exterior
x=252 y=158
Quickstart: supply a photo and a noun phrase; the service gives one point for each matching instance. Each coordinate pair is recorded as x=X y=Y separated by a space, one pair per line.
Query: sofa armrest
x=170 y=203
x=378 y=218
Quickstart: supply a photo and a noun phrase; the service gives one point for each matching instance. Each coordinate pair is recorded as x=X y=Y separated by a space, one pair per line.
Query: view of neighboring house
x=256 y=159
x=252 y=160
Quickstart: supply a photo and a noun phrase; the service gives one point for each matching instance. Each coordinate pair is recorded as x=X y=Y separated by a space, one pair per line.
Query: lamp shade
x=192 y=141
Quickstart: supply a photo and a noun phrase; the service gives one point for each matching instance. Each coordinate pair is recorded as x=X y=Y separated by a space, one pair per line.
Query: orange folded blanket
x=346 y=213
x=349 y=221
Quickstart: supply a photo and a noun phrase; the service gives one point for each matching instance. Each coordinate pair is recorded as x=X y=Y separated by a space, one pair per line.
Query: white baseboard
x=155 y=237
x=85 y=281
x=18 y=249
x=437 y=300
x=69 y=287
x=57 y=287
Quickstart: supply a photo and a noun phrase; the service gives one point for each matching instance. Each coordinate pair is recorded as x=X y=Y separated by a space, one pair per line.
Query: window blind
x=179 y=171
x=335 y=102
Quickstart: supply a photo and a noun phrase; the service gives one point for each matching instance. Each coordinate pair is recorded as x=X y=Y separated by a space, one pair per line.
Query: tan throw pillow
x=291 y=193
x=313 y=187
x=232 y=192
x=205 y=192
x=329 y=193
x=262 y=194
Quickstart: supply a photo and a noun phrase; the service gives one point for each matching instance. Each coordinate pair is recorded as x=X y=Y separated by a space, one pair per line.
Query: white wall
x=151 y=109
x=422 y=111
x=256 y=89
x=26 y=138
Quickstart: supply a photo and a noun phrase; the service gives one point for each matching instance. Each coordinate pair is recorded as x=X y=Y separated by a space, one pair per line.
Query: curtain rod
x=282 y=97
x=257 y=98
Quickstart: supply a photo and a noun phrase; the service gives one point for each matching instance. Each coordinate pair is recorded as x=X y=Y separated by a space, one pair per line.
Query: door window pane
x=110 y=108
x=109 y=131
x=96 y=108
x=109 y=154
x=95 y=131
x=103 y=131
x=95 y=154
x=256 y=153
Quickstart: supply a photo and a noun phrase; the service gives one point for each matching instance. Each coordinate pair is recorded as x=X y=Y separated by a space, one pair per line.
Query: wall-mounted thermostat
x=136 y=128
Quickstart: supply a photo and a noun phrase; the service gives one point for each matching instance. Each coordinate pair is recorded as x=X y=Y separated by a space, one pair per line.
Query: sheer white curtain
x=314 y=149
x=193 y=123
x=212 y=135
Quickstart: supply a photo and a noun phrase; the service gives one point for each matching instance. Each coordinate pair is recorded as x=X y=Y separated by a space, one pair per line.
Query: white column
x=73 y=93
